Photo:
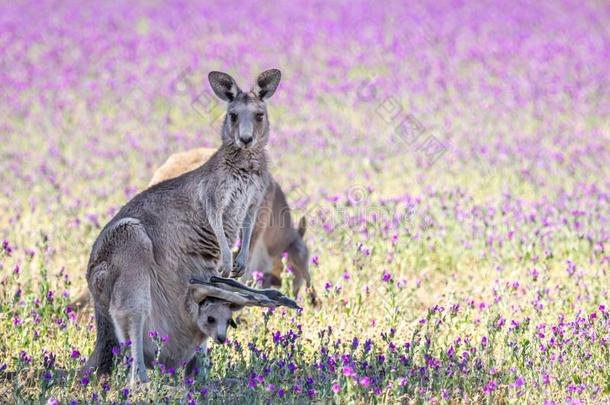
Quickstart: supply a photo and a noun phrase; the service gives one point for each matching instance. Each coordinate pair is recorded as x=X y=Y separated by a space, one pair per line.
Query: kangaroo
x=173 y=240
x=273 y=234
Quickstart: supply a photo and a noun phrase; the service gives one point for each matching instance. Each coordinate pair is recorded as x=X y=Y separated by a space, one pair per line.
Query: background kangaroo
x=143 y=261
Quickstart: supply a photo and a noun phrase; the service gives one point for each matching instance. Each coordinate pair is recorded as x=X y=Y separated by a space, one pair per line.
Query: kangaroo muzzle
x=246 y=132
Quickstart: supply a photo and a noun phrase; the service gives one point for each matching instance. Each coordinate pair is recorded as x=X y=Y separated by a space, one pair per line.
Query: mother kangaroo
x=143 y=262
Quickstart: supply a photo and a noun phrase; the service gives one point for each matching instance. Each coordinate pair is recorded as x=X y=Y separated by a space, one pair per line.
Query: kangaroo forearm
x=216 y=224
x=246 y=232
x=223 y=243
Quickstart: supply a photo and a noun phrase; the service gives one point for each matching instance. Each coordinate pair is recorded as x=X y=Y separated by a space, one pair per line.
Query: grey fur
x=142 y=262
x=274 y=232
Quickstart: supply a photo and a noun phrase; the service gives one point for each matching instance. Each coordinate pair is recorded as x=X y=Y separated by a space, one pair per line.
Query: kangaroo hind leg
x=130 y=304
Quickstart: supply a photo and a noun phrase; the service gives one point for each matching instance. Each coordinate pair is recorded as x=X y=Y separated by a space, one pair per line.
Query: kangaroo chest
x=241 y=194
x=233 y=194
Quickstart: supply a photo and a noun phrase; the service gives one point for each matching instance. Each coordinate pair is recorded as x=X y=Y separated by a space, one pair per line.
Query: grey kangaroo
x=158 y=261
x=273 y=233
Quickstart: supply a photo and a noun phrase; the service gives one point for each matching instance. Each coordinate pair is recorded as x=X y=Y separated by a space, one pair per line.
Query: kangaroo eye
x=211 y=320
x=259 y=117
x=233 y=117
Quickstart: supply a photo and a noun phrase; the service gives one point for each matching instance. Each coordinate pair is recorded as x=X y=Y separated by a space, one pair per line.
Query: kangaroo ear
x=266 y=83
x=223 y=85
x=198 y=293
x=302 y=226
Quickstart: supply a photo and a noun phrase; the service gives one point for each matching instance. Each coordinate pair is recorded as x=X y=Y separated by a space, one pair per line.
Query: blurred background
x=446 y=154
x=484 y=97
x=399 y=102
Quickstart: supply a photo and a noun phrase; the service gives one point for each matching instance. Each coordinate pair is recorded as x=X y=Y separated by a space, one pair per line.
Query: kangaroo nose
x=247 y=140
x=222 y=339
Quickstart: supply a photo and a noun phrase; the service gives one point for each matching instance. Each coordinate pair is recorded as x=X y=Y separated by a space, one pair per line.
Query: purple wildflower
x=519 y=382
x=348 y=371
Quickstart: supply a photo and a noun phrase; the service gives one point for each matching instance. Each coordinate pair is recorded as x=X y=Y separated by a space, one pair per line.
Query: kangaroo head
x=246 y=124
x=214 y=318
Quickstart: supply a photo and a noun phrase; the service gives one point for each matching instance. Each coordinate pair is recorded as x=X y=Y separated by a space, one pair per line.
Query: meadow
x=451 y=159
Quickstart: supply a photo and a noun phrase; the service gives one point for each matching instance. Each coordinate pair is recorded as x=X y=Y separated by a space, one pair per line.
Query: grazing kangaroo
x=151 y=262
x=273 y=233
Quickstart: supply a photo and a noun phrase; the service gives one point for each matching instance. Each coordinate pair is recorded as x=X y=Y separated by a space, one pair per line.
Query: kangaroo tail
x=105 y=340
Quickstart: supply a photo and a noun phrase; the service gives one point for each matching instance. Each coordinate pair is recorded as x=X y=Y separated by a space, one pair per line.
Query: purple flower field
x=451 y=159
